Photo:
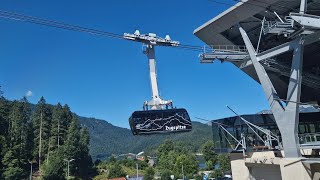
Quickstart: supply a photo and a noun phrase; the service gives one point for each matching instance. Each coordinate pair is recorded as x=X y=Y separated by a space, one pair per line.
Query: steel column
x=290 y=120
x=303 y=6
x=153 y=75
x=265 y=81
x=286 y=118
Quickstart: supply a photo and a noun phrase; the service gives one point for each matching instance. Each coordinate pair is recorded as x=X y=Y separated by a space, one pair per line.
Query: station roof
x=222 y=30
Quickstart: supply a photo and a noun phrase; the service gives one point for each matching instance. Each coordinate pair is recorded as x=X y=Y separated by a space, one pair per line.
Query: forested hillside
x=46 y=135
x=107 y=139
x=42 y=135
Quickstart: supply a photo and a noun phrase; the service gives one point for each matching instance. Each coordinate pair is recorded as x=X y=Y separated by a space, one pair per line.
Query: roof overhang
x=222 y=30
x=227 y=19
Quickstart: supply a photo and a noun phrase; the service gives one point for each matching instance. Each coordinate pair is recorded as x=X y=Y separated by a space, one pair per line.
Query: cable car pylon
x=158 y=115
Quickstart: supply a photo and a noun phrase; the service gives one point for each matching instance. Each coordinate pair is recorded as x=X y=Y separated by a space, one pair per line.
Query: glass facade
x=309 y=130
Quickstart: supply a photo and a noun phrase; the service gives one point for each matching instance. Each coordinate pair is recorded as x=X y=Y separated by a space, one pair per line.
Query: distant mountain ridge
x=107 y=139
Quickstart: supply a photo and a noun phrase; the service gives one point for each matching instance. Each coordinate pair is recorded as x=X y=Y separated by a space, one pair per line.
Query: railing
x=278 y=26
x=309 y=138
x=225 y=48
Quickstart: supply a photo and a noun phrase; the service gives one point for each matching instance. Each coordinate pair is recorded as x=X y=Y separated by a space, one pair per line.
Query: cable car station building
x=308 y=130
x=275 y=42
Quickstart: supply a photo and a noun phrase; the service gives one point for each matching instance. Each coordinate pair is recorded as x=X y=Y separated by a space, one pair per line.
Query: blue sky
x=109 y=78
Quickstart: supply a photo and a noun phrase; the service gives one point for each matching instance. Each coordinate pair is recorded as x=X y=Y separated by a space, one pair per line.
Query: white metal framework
x=269 y=135
x=150 y=41
x=241 y=144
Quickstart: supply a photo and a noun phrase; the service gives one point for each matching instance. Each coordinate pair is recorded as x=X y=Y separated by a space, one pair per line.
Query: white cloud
x=29 y=93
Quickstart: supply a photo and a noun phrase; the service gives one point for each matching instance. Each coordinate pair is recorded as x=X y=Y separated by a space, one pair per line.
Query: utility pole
x=68 y=164
x=137 y=171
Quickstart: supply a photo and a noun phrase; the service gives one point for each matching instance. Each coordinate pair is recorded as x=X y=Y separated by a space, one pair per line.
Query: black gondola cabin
x=160 y=121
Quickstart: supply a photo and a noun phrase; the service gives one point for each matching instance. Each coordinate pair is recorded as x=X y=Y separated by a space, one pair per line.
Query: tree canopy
x=176 y=159
x=42 y=135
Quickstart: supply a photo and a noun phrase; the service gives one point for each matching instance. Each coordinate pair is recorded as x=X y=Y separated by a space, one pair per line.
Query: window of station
x=309 y=123
x=302 y=128
x=312 y=128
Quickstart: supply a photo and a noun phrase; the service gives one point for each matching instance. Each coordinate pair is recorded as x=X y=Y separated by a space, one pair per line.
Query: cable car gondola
x=159 y=119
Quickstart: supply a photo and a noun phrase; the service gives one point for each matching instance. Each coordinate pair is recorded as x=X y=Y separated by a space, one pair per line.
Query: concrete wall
x=295 y=169
x=238 y=167
x=265 y=166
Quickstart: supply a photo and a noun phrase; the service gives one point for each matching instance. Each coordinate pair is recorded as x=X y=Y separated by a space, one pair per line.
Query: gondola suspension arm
x=156 y=102
x=150 y=41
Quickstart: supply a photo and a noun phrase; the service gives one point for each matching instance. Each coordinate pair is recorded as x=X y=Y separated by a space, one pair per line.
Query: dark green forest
x=44 y=136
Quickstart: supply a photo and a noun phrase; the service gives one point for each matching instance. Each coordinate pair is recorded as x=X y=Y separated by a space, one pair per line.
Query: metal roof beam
x=276 y=50
x=289 y=46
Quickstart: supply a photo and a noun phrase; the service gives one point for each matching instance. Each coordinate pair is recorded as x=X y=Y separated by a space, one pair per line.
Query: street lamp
x=137 y=163
x=31 y=162
x=137 y=171
x=139 y=154
x=68 y=163
x=172 y=177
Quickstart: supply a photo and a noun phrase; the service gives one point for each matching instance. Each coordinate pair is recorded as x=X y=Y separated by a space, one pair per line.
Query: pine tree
x=16 y=158
x=65 y=123
x=28 y=129
x=72 y=144
x=4 y=128
x=41 y=119
x=56 y=131
x=26 y=134
x=53 y=170
x=12 y=170
x=49 y=133
x=85 y=161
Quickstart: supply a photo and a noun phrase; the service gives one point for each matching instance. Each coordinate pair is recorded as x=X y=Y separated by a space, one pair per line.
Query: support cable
x=60 y=25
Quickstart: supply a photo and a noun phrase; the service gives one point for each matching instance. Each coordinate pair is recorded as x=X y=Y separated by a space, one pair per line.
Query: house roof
x=120 y=178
